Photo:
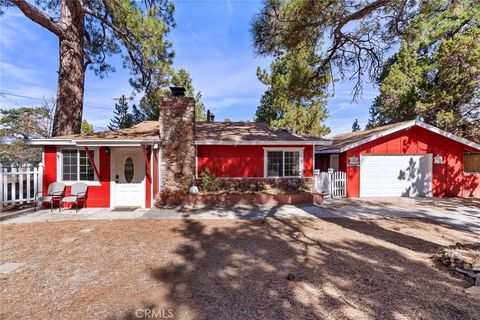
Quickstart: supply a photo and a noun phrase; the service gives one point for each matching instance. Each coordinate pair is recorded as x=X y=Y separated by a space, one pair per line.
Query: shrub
x=208 y=181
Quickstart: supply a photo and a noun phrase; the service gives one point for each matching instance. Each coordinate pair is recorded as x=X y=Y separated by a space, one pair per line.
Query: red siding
x=50 y=167
x=148 y=176
x=97 y=196
x=448 y=179
x=243 y=161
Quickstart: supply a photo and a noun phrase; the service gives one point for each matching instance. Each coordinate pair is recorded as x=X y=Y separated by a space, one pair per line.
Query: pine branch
x=39 y=17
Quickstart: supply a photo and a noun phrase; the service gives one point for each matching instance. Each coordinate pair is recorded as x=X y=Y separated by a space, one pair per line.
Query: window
x=76 y=166
x=129 y=170
x=471 y=162
x=284 y=163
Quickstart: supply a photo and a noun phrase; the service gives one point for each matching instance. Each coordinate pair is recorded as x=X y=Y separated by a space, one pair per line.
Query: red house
x=132 y=167
x=409 y=158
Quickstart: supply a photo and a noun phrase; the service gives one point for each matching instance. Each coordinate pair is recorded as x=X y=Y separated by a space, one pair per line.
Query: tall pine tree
x=285 y=104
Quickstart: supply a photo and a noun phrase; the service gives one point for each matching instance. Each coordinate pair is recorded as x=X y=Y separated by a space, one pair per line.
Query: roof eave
x=82 y=143
x=260 y=142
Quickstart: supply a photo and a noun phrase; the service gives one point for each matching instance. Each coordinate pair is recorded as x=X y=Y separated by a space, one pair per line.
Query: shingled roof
x=146 y=130
x=247 y=133
x=205 y=133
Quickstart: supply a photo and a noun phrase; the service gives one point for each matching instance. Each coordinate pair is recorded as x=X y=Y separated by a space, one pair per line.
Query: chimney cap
x=177 y=91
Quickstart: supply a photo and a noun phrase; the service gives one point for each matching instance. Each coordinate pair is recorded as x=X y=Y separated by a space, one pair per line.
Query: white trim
x=43 y=142
x=96 y=160
x=313 y=161
x=261 y=142
x=265 y=160
x=399 y=128
x=196 y=162
x=112 y=178
x=102 y=142
x=151 y=177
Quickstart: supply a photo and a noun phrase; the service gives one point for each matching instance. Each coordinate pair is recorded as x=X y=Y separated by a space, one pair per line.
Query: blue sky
x=211 y=40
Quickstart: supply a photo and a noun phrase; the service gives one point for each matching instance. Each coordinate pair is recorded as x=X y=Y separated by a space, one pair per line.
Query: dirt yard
x=232 y=269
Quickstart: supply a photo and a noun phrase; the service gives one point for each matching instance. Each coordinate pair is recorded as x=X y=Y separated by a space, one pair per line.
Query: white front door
x=129 y=176
x=396 y=175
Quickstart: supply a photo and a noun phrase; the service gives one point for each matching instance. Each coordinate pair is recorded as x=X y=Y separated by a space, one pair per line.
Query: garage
x=396 y=175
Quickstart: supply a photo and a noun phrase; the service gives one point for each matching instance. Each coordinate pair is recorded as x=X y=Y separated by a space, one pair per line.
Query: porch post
x=148 y=183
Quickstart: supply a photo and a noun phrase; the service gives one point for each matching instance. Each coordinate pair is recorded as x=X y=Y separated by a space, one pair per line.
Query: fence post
x=40 y=178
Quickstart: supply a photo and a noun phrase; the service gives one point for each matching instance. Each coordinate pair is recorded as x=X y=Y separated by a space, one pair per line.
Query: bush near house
x=209 y=183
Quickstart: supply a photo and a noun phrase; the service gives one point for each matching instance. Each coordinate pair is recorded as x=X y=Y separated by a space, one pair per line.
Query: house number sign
x=353 y=161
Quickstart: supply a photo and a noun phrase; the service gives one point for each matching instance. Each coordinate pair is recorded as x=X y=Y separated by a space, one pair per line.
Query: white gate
x=332 y=183
x=19 y=184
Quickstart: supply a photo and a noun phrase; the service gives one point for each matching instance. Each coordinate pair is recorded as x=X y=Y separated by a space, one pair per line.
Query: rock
x=476 y=266
x=86 y=230
x=68 y=240
x=475 y=290
x=10 y=267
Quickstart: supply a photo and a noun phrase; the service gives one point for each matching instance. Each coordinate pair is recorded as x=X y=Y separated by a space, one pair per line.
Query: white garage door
x=395 y=175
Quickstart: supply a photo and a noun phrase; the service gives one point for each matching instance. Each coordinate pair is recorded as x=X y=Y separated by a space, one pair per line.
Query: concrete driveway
x=460 y=212
x=463 y=213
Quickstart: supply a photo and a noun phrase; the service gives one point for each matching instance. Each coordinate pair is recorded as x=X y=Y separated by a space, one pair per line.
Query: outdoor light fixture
x=438 y=159
x=107 y=150
x=193 y=190
x=155 y=146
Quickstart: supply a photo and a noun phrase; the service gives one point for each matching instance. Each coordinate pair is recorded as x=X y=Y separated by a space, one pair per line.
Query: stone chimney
x=177 y=150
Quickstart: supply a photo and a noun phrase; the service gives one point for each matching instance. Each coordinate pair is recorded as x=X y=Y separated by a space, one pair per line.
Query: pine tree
x=356 y=126
x=122 y=118
x=150 y=102
x=285 y=105
x=89 y=31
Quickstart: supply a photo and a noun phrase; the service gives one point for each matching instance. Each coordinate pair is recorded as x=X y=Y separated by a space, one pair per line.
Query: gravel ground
x=232 y=269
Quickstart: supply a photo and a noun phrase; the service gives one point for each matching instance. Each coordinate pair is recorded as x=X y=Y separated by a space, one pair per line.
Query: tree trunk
x=71 y=72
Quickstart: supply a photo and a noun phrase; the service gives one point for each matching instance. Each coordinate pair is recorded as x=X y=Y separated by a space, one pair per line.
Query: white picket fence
x=333 y=184
x=19 y=184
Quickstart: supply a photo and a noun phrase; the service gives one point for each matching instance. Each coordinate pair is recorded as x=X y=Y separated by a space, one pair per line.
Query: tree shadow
x=241 y=270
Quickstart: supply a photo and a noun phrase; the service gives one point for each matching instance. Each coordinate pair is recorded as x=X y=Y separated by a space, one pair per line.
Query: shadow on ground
x=260 y=270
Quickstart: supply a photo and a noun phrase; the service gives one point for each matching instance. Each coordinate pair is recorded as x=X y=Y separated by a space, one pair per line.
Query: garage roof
x=346 y=141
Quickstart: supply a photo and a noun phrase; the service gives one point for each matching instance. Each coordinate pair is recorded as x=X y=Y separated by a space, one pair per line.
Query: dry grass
x=233 y=269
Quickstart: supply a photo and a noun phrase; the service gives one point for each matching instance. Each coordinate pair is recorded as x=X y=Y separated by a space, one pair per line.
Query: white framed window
x=283 y=162
x=73 y=165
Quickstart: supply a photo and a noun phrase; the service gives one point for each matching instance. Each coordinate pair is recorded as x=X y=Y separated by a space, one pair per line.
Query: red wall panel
x=97 y=196
x=50 y=167
x=448 y=179
x=243 y=161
